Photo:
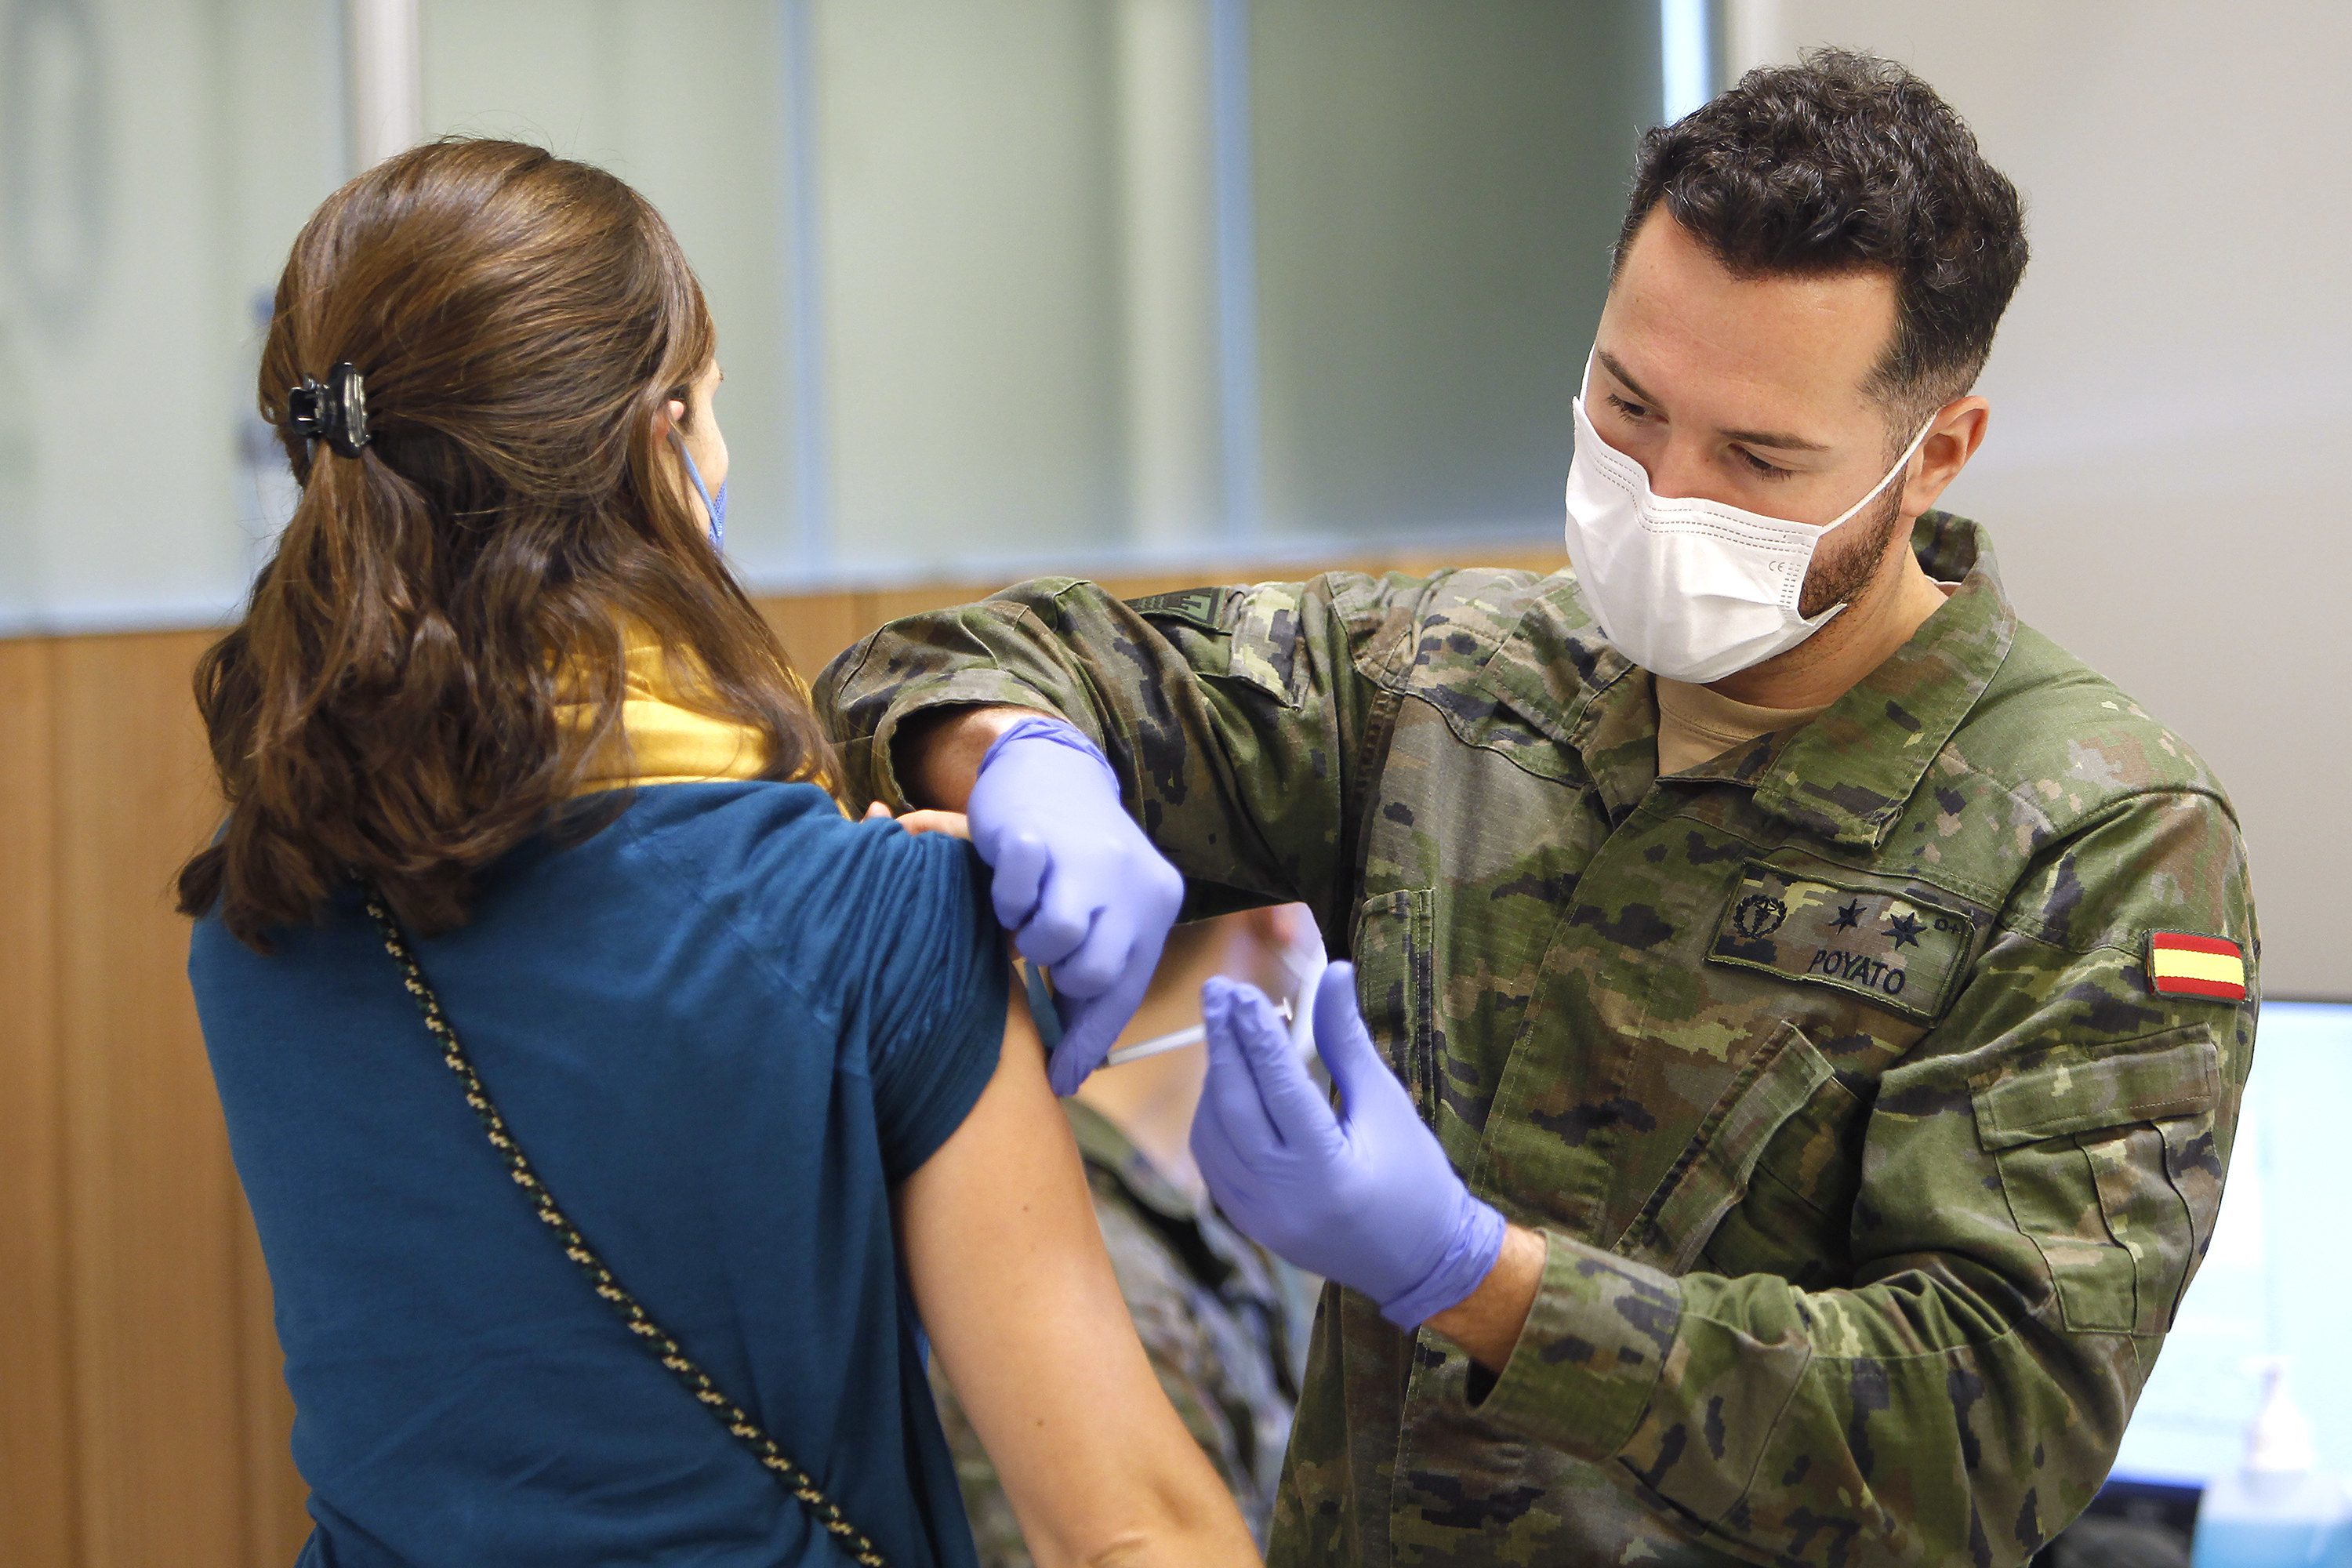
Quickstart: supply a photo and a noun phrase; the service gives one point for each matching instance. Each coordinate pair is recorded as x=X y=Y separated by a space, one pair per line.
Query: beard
x=1842 y=574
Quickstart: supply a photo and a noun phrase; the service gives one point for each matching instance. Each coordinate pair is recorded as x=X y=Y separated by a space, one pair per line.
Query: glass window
x=1086 y=284
x=155 y=162
x=2273 y=1282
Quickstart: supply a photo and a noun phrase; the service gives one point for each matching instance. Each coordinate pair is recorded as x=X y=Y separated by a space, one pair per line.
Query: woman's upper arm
x=1025 y=1316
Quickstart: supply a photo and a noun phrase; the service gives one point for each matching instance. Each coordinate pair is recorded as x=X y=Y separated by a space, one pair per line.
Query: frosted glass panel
x=970 y=278
x=1001 y=286
x=156 y=159
x=686 y=102
x=1020 y=354
x=1437 y=188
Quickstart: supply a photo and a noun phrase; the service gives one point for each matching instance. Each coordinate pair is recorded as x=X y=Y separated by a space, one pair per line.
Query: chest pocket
x=2109 y=1163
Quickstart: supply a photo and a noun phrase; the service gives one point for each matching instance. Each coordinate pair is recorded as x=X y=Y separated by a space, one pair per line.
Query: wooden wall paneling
x=155 y=1206
x=276 y=1517
x=37 y=1499
x=879 y=607
x=814 y=627
x=872 y=608
x=1137 y=585
x=1420 y=561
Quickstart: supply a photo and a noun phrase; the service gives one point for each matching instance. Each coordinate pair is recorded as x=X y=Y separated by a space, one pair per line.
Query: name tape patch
x=2180 y=963
x=1897 y=951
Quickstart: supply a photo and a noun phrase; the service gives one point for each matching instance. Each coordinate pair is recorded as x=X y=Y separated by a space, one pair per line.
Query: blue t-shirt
x=721 y=1029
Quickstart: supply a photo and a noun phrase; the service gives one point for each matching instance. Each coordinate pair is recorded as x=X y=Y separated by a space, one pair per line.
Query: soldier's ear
x=1959 y=430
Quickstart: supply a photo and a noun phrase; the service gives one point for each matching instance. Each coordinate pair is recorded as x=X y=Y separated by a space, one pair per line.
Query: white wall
x=2172 y=419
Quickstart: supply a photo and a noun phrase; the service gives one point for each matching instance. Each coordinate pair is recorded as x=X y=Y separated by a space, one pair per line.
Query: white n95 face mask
x=1690 y=589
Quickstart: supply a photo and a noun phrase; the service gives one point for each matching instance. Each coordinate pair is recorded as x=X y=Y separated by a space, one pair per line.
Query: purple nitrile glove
x=1080 y=888
x=1365 y=1196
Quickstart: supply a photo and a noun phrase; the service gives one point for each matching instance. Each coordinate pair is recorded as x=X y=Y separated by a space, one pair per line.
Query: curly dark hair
x=1847 y=161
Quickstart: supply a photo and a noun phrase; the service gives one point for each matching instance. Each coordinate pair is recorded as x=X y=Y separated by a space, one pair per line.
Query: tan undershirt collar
x=1697 y=725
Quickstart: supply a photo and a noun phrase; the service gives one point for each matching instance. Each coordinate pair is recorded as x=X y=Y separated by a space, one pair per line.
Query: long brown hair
x=387 y=709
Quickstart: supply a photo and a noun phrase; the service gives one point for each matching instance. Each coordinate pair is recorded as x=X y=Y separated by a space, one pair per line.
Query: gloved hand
x=1366 y=1197
x=1080 y=888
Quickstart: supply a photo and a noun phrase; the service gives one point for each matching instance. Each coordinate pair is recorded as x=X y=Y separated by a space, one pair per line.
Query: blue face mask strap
x=716 y=509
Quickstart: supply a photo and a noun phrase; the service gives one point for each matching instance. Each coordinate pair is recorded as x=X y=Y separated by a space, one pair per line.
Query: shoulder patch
x=1193 y=606
x=2181 y=963
x=1895 y=950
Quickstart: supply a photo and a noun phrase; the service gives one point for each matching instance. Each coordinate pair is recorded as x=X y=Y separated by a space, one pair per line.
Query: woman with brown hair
x=617 y=1116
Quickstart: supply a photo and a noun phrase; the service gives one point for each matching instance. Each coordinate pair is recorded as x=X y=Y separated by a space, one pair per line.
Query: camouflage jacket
x=1220 y=1318
x=1870 y=1159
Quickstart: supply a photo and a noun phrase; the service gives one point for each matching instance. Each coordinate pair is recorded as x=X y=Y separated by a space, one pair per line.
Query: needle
x=1176 y=1041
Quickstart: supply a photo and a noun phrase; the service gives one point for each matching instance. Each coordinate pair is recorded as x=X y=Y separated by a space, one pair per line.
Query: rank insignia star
x=1904 y=929
x=1848 y=918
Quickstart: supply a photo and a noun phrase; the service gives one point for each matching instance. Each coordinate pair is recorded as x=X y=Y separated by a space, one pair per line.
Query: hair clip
x=334 y=410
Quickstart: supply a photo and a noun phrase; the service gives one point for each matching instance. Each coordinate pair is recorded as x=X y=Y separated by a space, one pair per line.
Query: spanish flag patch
x=2179 y=964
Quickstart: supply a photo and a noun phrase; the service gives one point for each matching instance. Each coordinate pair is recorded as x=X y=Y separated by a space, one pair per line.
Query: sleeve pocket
x=2108 y=1162
x=1264 y=649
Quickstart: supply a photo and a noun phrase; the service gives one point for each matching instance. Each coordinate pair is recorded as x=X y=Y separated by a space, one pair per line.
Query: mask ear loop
x=1901 y=463
x=718 y=522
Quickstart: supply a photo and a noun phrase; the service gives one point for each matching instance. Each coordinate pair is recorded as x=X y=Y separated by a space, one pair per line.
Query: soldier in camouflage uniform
x=1847 y=1080
x=1214 y=1314
x=1224 y=1321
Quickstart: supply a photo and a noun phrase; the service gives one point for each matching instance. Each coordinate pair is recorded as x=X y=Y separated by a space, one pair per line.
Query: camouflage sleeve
x=1202 y=1360
x=2040 y=1177
x=1236 y=718
x=996 y=1530
x=1216 y=1365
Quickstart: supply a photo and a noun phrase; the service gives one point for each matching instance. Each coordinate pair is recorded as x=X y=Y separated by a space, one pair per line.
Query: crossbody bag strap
x=658 y=1342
